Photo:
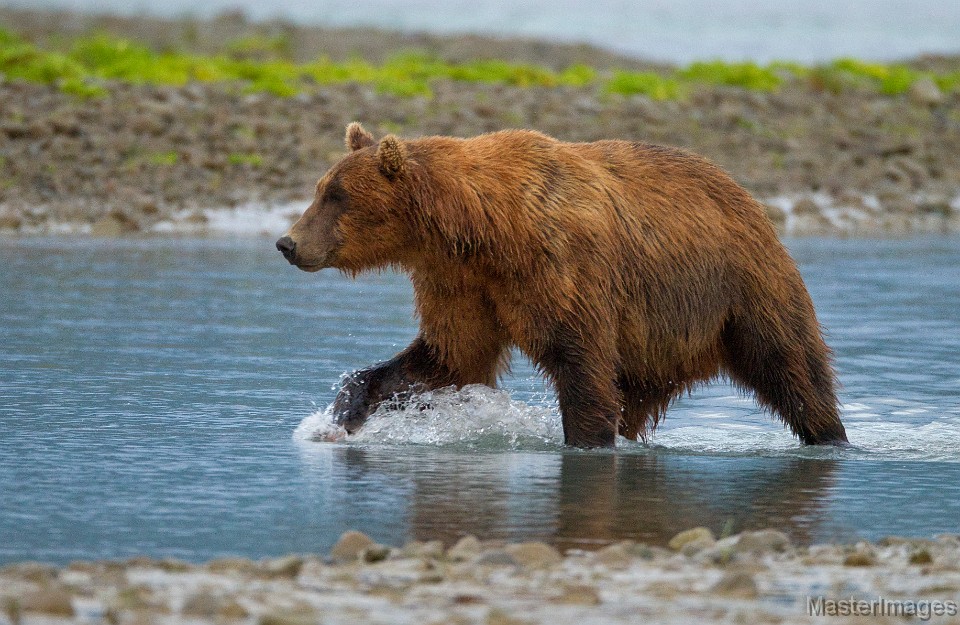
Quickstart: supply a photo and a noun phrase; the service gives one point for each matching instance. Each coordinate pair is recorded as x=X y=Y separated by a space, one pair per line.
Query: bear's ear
x=392 y=156
x=357 y=138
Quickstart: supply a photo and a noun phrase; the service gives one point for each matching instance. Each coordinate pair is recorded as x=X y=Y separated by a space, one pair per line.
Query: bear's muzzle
x=288 y=247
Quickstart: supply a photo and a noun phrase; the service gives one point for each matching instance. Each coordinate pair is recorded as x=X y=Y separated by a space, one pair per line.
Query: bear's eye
x=335 y=193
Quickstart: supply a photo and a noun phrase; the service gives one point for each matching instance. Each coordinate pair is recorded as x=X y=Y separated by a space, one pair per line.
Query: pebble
x=762 y=541
x=496 y=557
x=736 y=584
x=288 y=566
x=51 y=600
x=530 y=583
x=534 y=555
x=692 y=535
x=467 y=548
x=615 y=556
x=375 y=553
x=349 y=547
x=925 y=92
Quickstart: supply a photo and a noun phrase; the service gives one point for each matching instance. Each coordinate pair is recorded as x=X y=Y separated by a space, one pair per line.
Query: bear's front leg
x=415 y=369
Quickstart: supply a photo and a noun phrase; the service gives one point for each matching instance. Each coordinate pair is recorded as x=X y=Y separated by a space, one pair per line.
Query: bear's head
x=358 y=219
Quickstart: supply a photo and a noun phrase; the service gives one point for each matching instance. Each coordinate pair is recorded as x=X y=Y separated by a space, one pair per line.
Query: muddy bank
x=754 y=577
x=148 y=158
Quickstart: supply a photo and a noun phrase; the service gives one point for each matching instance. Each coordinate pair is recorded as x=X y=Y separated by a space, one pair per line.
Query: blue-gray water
x=150 y=391
x=670 y=30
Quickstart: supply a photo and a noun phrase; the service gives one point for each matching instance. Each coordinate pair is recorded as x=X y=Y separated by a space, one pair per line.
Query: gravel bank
x=754 y=577
x=155 y=158
x=170 y=159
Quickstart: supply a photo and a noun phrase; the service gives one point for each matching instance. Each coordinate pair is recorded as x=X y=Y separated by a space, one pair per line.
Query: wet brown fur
x=628 y=272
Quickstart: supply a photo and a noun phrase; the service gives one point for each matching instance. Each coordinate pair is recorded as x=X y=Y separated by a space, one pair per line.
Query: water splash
x=481 y=417
x=474 y=416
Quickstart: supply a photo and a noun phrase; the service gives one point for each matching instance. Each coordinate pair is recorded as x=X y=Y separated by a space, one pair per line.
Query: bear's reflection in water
x=570 y=498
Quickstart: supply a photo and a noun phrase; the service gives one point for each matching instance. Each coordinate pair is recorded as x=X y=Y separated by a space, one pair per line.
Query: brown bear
x=627 y=272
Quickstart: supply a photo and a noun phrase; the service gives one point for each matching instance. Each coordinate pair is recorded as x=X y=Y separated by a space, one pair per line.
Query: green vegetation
x=254 y=160
x=263 y=64
x=164 y=158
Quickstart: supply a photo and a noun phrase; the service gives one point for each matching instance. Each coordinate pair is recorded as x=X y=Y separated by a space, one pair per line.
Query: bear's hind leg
x=644 y=405
x=586 y=391
x=784 y=360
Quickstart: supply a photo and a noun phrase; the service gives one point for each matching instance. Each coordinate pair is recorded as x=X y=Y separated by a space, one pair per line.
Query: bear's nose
x=287 y=247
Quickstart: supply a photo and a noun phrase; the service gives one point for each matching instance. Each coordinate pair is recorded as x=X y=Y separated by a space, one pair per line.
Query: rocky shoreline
x=148 y=159
x=753 y=577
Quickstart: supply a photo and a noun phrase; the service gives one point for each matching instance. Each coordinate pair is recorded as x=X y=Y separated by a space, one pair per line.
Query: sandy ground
x=146 y=159
x=754 y=577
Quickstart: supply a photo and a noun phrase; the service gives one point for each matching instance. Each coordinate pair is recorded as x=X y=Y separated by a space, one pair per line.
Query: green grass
x=83 y=67
x=643 y=83
x=252 y=159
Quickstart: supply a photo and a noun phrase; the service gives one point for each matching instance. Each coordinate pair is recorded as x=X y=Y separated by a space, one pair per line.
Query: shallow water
x=678 y=31
x=158 y=396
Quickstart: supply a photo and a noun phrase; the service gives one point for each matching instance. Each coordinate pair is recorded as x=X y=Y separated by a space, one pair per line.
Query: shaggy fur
x=627 y=272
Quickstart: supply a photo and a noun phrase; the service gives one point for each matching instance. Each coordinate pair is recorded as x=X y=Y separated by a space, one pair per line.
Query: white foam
x=319 y=427
x=475 y=415
x=478 y=416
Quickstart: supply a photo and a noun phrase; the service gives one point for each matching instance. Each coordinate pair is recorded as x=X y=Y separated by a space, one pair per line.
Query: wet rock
x=241 y=566
x=534 y=555
x=694 y=547
x=113 y=225
x=615 y=556
x=50 y=600
x=499 y=617
x=289 y=617
x=496 y=557
x=805 y=225
x=935 y=206
x=467 y=548
x=688 y=536
x=579 y=594
x=172 y=565
x=349 y=547
x=859 y=558
x=287 y=566
x=805 y=206
x=925 y=92
x=863 y=554
x=203 y=604
x=736 y=584
x=10 y=222
x=31 y=571
x=419 y=549
x=921 y=557
x=375 y=553
x=762 y=541
x=230 y=610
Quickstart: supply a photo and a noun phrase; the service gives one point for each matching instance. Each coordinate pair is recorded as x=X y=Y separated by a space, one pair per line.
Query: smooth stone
x=467 y=548
x=688 y=536
x=534 y=555
x=375 y=553
x=51 y=600
x=287 y=566
x=496 y=557
x=736 y=584
x=925 y=92
x=762 y=541
x=350 y=545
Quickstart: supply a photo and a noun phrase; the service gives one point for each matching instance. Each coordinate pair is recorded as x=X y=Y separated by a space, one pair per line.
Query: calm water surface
x=159 y=397
x=671 y=30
